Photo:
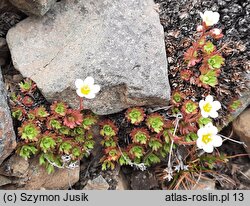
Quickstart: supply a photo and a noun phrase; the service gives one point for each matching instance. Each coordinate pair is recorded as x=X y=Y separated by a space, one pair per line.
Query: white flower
x=209 y=107
x=210 y=17
x=216 y=31
x=208 y=138
x=199 y=28
x=87 y=88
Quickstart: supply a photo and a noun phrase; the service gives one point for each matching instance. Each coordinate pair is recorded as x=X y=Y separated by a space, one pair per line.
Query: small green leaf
x=209 y=78
x=155 y=122
x=216 y=61
x=76 y=152
x=191 y=137
x=137 y=151
x=209 y=47
x=236 y=104
x=47 y=143
x=65 y=147
x=50 y=169
x=89 y=121
x=124 y=159
x=27 y=150
x=203 y=121
x=155 y=144
x=107 y=130
x=152 y=159
x=41 y=159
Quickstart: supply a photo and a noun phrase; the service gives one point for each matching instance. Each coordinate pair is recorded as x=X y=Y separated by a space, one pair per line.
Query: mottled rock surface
x=36 y=7
x=7 y=134
x=29 y=175
x=99 y=183
x=144 y=180
x=15 y=166
x=242 y=129
x=120 y=43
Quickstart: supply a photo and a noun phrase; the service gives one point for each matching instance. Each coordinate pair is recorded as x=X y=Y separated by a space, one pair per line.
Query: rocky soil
x=180 y=19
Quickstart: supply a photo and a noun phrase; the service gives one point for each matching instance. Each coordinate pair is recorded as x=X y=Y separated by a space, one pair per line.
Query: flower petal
x=199 y=143
x=201 y=131
x=78 y=83
x=202 y=15
x=90 y=95
x=79 y=93
x=209 y=98
x=208 y=148
x=96 y=88
x=213 y=130
x=201 y=104
x=217 y=141
x=213 y=114
x=216 y=17
x=209 y=125
x=216 y=105
x=204 y=114
x=89 y=81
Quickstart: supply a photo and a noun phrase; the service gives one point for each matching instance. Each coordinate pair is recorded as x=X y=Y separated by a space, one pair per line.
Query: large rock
x=7 y=134
x=120 y=43
x=29 y=175
x=15 y=166
x=241 y=128
x=36 y=7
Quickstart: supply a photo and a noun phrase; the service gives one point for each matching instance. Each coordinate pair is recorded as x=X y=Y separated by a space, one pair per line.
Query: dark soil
x=180 y=19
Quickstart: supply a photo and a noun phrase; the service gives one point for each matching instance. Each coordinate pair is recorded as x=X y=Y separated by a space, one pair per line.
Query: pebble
x=221 y=3
x=236 y=8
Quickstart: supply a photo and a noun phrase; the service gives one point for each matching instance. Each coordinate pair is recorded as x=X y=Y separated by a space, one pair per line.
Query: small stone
x=221 y=3
x=4 y=180
x=208 y=184
x=36 y=7
x=98 y=183
x=225 y=18
x=143 y=180
x=241 y=128
x=122 y=182
x=17 y=78
x=15 y=166
x=7 y=134
x=236 y=8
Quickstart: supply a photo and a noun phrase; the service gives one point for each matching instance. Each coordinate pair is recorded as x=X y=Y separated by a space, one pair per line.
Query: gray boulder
x=18 y=173
x=119 y=43
x=36 y=7
x=7 y=134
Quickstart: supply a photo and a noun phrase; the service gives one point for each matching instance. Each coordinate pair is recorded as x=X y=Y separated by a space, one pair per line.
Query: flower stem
x=81 y=103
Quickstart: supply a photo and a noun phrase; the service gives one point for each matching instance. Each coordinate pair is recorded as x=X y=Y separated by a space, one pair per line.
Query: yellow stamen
x=207 y=107
x=206 y=138
x=85 y=90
